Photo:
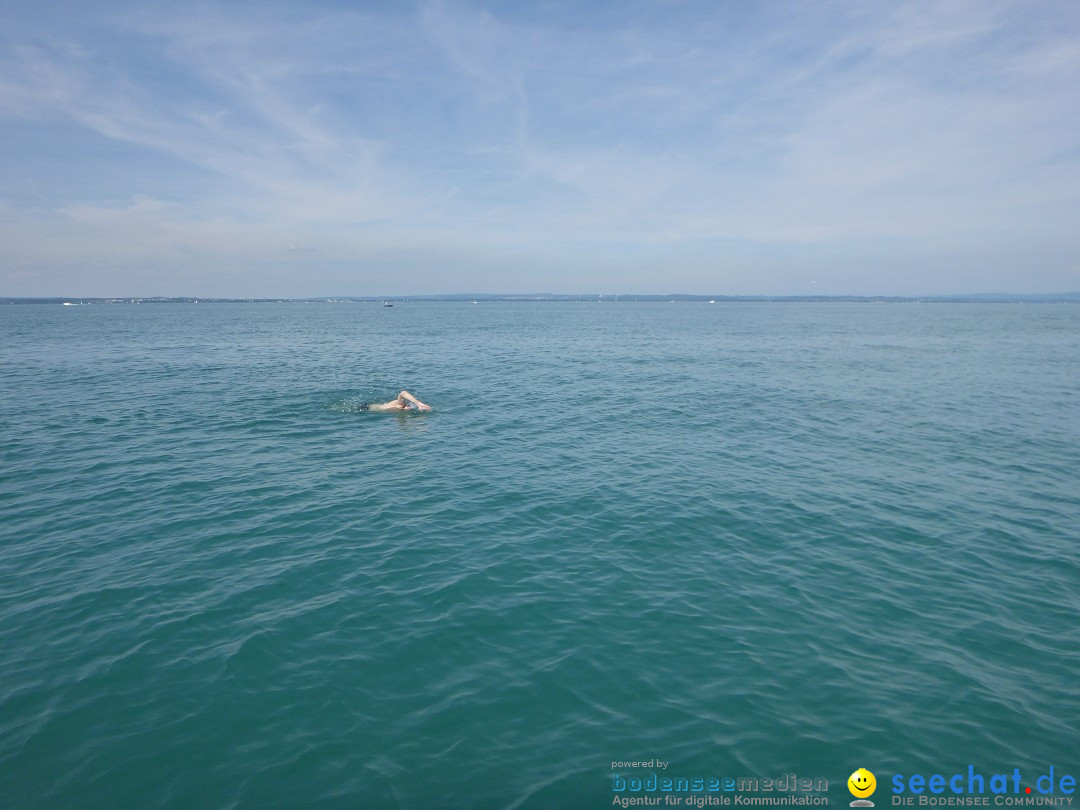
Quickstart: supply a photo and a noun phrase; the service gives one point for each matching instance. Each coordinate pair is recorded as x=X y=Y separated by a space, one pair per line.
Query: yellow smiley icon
x=861 y=783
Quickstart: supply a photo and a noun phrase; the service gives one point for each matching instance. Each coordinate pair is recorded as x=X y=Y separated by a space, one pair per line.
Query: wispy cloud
x=450 y=133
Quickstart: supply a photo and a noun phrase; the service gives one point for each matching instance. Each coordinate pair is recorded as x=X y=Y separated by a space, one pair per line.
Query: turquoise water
x=747 y=539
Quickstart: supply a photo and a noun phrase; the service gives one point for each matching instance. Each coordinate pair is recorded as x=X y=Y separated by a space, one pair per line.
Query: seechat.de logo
x=862 y=785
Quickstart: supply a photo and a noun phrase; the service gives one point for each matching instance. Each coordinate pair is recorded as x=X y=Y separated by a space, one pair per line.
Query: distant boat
x=387 y=304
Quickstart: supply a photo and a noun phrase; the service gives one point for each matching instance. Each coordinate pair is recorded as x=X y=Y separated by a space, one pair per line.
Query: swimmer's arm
x=421 y=405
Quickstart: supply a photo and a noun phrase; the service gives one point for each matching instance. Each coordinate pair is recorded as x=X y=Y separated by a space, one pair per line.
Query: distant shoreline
x=983 y=298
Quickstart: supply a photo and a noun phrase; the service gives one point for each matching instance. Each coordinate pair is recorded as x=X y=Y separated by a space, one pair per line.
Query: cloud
x=452 y=131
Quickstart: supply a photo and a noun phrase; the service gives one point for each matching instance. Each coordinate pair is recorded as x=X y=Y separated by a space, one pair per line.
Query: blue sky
x=290 y=149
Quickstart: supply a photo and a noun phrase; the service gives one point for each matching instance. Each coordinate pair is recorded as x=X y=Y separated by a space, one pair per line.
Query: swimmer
x=405 y=401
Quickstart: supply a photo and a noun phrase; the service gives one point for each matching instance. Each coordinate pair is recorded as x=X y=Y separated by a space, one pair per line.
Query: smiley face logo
x=861 y=783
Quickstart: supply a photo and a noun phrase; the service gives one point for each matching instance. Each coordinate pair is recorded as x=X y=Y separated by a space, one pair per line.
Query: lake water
x=744 y=539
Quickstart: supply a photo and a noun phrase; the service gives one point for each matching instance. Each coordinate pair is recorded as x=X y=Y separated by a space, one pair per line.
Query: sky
x=733 y=147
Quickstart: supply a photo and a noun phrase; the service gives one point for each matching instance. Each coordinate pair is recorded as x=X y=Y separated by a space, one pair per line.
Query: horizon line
x=548 y=296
